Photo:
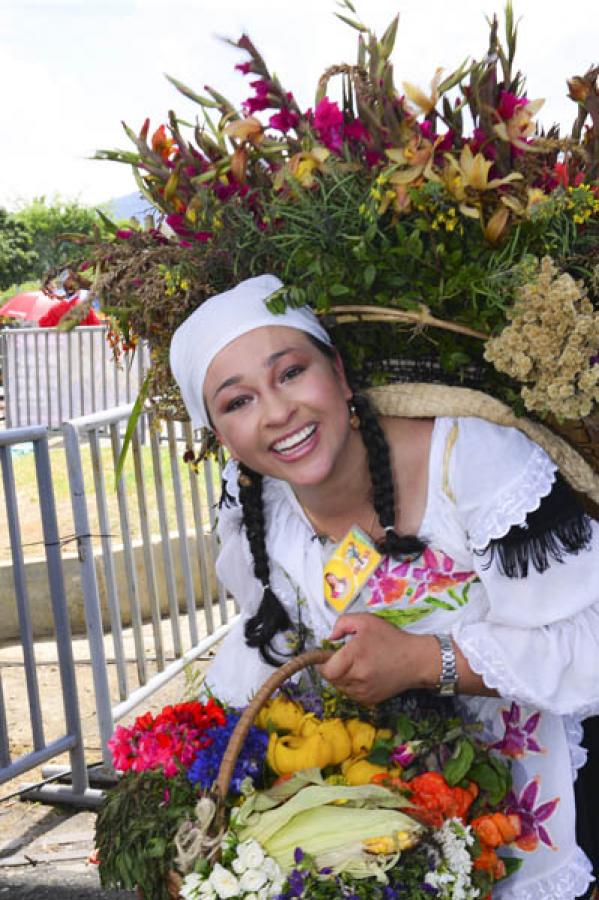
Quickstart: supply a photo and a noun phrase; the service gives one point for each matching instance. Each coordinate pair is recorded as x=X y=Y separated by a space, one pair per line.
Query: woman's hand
x=380 y=660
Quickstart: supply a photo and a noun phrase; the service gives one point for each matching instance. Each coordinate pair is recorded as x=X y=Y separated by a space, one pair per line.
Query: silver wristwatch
x=449 y=676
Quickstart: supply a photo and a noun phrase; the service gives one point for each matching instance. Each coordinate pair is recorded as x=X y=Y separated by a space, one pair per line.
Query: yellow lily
x=360 y=771
x=292 y=753
x=520 y=126
x=303 y=166
x=282 y=714
x=362 y=736
x=426 y=102
x=336 y=734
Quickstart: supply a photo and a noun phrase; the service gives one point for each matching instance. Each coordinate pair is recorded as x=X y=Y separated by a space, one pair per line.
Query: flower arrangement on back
x=420 y=217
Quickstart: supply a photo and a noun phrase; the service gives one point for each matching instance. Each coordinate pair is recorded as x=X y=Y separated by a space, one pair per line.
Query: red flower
x=260 y=100
x=284 y=120
x=245 y=68
x=328 y=124
x=163 y=145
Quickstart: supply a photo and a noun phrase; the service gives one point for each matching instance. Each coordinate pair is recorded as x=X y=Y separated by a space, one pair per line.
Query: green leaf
x=131 y=426
x=459 y=763
x=404 y=727
x=191 y=95
x=339 y=290
x=369 y=275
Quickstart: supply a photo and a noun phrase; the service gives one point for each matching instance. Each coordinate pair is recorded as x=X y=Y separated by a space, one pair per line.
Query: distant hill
x=124 y=208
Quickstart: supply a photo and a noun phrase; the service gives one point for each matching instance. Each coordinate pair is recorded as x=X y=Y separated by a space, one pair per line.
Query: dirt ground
x=44 y=850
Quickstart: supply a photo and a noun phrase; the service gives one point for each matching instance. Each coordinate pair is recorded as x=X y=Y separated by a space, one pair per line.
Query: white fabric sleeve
x=538 y=638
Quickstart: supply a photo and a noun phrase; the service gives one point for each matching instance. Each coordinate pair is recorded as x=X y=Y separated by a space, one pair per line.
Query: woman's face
x=280 y=405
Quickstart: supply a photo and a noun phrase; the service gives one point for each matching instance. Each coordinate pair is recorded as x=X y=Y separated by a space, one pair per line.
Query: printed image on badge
x=348 y=569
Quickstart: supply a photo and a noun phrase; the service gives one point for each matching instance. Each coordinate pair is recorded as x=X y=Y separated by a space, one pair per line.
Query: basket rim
x=428 y=400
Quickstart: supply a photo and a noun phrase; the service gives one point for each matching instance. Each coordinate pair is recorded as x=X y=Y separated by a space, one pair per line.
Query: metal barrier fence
x=71 y=740
x=52 y=375
x=162 y=647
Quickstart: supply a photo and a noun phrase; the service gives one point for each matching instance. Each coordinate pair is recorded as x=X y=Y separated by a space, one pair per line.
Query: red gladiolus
x=245 y=68
x=328 y=124
x=284 y=120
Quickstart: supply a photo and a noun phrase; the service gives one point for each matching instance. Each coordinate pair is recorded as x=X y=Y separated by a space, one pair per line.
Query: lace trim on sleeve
x=513 y=505
x=571 y=880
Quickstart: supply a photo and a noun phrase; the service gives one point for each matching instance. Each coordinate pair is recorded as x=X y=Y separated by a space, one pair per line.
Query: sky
x=72 y=70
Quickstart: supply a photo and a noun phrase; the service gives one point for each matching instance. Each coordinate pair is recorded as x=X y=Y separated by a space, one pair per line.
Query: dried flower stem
x=350 y=313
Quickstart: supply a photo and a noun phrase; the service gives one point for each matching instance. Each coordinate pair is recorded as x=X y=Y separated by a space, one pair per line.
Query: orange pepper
x=489 y=862
x=496 y=828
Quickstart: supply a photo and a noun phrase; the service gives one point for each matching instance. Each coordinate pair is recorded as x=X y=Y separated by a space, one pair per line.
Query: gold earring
x=354 y=418
x=244 y=480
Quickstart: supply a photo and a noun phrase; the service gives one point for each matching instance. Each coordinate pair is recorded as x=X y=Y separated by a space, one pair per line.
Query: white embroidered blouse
x=534 y=639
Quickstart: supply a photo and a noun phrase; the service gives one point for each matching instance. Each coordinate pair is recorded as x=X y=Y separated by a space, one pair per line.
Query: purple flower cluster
x=250 y=763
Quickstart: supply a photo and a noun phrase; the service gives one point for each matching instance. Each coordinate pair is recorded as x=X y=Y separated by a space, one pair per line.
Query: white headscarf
x=217 y=322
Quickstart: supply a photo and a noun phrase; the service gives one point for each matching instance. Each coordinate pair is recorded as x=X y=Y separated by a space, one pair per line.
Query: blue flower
x=204 y=769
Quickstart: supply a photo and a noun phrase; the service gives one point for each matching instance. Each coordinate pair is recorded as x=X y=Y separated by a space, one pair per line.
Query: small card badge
x=349 y=568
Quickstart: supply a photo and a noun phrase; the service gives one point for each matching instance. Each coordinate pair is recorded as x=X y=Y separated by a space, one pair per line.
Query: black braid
x=381 y=477
x=271 y=616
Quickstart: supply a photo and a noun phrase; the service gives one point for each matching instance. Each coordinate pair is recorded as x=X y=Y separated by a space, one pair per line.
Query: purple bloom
x=404 y=754
x=518 y=738
x=531 y=818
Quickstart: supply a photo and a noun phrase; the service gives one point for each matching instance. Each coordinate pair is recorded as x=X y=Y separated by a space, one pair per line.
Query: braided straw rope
x=416 y=400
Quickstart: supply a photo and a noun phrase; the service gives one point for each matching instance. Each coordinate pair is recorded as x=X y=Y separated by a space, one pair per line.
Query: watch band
x=448 y=679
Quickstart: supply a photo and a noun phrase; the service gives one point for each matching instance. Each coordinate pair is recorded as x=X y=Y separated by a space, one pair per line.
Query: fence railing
x=50 y=376
x=70 y=741
x=171 y=624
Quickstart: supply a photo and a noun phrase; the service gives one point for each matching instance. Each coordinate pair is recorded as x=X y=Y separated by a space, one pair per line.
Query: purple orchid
x=518 y=738
x=531 y=818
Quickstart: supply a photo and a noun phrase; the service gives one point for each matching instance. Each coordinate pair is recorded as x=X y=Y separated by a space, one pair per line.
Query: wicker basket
x=223 y=780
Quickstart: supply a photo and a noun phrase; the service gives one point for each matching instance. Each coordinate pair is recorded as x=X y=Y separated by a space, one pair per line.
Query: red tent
x=28 y=305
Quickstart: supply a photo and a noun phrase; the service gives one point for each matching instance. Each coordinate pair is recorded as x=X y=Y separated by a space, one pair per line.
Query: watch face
x=447 y=689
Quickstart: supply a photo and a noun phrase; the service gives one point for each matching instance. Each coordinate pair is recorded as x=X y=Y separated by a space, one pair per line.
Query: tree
x=17 y=254
x=47 y=222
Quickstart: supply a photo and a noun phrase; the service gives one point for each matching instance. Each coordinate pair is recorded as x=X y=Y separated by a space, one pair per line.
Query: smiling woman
x=459 y=556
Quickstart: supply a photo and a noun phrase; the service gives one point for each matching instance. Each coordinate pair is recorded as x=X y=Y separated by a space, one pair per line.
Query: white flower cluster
x=252 y=875
x=452 y=876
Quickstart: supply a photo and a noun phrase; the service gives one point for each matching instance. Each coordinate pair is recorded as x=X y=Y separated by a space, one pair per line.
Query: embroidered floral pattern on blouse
x=432 y=579
x=531 y=818
x=519 y=736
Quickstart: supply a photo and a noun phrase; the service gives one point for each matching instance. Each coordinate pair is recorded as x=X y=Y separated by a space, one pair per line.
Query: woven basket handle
x=227 y=766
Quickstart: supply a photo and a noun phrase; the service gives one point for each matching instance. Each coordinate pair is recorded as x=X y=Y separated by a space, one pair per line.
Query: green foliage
x=51 y=224
x=17 y=254
x=135 y=831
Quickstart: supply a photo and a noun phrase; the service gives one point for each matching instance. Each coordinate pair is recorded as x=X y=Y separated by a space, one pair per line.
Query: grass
x=28 y=497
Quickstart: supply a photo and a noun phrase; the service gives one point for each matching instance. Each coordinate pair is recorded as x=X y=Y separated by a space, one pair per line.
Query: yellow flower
x=292 y=753
x=360 y=771
x=303 y=166
x=472 y=171
x=282 y=714
x=362 y=736
x=426 y=102
x=336 y=734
